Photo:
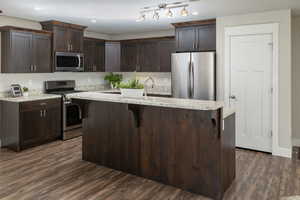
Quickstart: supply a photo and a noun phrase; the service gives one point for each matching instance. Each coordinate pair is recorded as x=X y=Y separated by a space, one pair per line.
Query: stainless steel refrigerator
x=194 y=75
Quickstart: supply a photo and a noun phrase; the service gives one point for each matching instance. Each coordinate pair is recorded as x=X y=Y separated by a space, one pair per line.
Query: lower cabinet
x=30 y=124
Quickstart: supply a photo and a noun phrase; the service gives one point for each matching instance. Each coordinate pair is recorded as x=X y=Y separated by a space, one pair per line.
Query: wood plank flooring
x=55 y=171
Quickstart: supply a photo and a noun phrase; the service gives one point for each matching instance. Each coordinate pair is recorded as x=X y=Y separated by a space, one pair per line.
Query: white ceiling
x=119 y=16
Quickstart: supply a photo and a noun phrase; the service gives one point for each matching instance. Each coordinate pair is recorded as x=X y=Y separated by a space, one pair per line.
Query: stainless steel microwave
x=69 y=62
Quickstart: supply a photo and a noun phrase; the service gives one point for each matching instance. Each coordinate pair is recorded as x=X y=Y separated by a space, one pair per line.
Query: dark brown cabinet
x=196 y=36
x=94 y=55
x=112 y=56
x=42 y=53
x=66 y=37
x=186 y=39
x=129 y=56
x=25 y=51
x=29 y=124
x=166 y=48
x=147 y=55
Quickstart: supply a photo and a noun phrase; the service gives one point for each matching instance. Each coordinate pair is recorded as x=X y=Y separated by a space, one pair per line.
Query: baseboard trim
x=282 y=152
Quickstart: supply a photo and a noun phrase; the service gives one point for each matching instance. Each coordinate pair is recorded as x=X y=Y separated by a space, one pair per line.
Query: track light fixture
x=156 y=15
x=169 y=13
x=184 y=12
x=169 y=7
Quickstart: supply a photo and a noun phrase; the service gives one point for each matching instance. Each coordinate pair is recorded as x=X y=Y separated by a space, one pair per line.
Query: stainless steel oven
x=72 y=120
x=71 y=112
x=69 y=62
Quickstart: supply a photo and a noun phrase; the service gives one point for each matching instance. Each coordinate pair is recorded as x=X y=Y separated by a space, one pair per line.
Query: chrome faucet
x=149 y=78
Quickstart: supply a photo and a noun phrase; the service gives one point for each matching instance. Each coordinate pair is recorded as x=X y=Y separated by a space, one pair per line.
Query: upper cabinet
x=112 y=56
x=25 y=50
x=94 y=55
x=147 y=55
x=129 y=56
x=66 y=37
x=196 y=36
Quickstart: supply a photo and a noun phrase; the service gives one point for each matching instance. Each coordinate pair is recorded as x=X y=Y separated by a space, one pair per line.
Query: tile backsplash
x=84 y=81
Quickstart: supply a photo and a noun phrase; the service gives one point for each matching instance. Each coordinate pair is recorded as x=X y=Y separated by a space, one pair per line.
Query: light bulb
x=169 y=13
x=141 y=18
x=184 y=12
x=156 y=15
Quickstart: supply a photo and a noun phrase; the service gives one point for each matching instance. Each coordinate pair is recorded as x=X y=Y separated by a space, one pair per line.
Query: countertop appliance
x=194 y=75
x=71 y=113
x=69 y=62
x=16 y=90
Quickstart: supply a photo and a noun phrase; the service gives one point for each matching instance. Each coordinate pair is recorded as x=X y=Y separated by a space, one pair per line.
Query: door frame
x=272 y=28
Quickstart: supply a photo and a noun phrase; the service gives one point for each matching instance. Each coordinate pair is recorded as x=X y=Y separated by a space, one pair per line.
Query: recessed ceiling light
x=93 y=20
x=37 y=8
x=195 y=13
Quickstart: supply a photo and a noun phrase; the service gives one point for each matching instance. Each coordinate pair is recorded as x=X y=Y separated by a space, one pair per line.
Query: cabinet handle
x=34 y=66
x=31 y=68
x=41 y=113
x=45 y=113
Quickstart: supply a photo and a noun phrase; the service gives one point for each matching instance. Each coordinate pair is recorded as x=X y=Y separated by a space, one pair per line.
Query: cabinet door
x=100 y=57
x=31 y=128
x=206 y=38
x=42 y=53
x=76 y=40
x=21 y=53
x=129 y=56
x=112 y=57
x=60 y=39
x=53 y=125
x=166 y=48
x=186 y=39
x=148 y=56
x=89 y=54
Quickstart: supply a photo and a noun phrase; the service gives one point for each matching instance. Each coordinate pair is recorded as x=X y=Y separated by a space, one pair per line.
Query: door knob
x=232 y=97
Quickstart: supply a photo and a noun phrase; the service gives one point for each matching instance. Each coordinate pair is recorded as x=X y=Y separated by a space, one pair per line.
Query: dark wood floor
x=56 y=171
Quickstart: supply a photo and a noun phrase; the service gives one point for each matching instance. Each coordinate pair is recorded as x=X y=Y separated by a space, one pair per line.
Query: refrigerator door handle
x=192 y=80
x=189 y=80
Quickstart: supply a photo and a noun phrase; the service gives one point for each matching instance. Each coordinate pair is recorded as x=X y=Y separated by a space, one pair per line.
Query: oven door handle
x=79 y=61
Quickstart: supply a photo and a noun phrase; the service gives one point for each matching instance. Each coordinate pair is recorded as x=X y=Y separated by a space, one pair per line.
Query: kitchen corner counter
x=189 y=104
x=30 y=98
x=228 y=112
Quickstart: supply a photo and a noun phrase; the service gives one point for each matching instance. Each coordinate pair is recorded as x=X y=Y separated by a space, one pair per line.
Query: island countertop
x=189 y=104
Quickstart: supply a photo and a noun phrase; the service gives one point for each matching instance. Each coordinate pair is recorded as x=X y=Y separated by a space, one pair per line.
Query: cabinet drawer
x=41 y=104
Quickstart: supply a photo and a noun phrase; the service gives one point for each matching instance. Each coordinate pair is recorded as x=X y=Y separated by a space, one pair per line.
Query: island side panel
x=110 y=137
x=228 y=152
x=182 y=148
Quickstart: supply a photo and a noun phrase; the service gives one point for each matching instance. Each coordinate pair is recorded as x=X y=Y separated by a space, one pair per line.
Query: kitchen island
x=178 y=142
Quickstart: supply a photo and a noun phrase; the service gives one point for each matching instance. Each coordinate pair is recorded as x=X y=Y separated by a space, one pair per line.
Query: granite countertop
x=227 y=112
x=30 y=98
x=148 y=92
x=151 y=101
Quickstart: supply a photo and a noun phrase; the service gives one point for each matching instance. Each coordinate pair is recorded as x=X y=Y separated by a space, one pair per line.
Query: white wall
x=296 y=80
x=282 y=17
x=170 y=32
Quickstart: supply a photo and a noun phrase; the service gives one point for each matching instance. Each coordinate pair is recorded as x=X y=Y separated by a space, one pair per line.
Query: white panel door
x=251 y=90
